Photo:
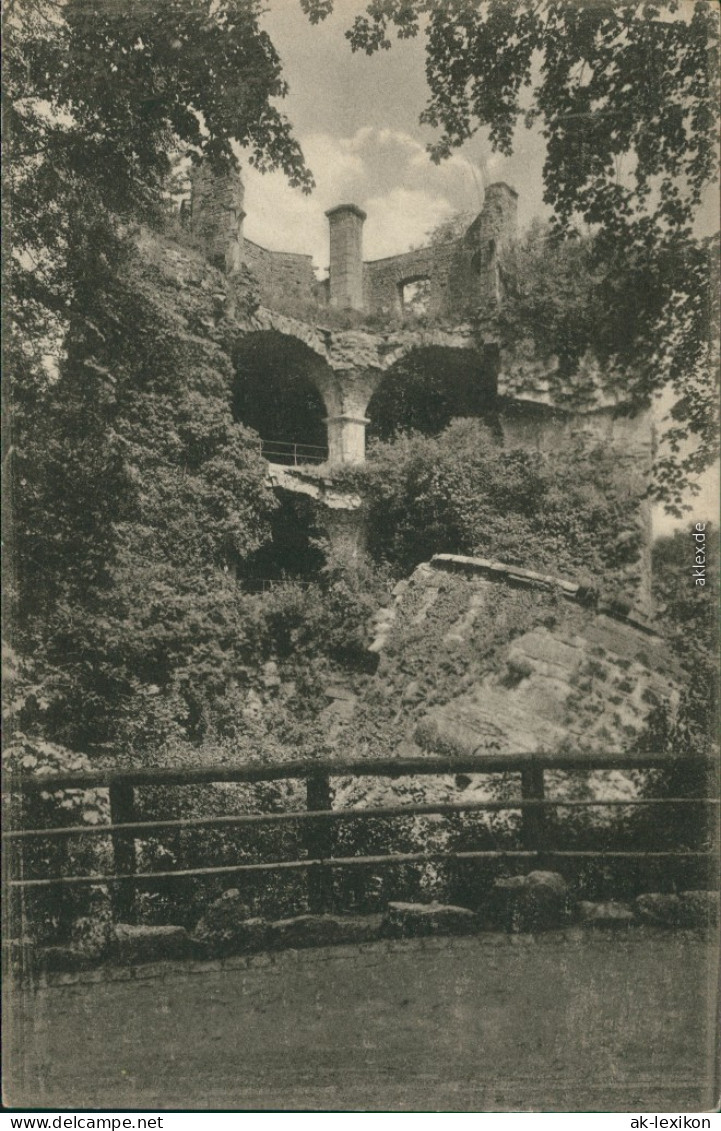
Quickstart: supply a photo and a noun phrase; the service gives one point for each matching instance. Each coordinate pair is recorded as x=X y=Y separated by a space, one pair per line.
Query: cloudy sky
x=357 y=121
x=356 y=118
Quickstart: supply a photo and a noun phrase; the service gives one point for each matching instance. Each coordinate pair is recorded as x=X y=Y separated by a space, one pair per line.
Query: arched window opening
x=428 y=388
x=274 y=393
x=416 y=296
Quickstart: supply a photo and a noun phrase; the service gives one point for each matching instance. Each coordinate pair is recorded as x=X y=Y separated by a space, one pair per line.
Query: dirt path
x=586 y=1023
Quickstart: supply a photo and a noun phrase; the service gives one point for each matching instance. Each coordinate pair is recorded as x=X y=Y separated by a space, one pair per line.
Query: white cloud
x=385 y=171
x=336 y=163
x=401 y=219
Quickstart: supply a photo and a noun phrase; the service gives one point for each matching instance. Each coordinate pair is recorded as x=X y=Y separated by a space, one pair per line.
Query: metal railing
x=319 y=818
x=291 y=454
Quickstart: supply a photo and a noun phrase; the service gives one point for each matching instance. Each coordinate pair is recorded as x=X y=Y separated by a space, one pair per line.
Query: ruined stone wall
x=285 y=278
x=384 y=278
x=463 y=274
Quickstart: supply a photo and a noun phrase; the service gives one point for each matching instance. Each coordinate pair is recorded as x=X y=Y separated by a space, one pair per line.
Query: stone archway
x=428 y=387
x=279 y=392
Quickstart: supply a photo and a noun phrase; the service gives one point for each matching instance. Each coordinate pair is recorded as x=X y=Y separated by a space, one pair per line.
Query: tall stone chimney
x=217 y=214
x=346 y=256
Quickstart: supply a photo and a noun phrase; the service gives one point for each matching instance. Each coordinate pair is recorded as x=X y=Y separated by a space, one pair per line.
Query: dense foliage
x=101 y=98
x=569 y=513
x=134 y=493
x=688 y=613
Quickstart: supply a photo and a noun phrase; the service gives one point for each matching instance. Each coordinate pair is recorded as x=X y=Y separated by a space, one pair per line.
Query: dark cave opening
x=291 y=552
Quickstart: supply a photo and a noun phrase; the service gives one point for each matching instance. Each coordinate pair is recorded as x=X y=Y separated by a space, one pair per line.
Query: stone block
x=610 y=914
x=324 y=930
x=149 y=944
x=228 y=927
x=699 y=908
x=659 y=909
x=535 y=902
x=418 y=919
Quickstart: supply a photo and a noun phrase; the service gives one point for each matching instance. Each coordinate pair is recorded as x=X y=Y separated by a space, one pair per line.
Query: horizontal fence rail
x=319 y=817
x=289 y=453
x=431 y=766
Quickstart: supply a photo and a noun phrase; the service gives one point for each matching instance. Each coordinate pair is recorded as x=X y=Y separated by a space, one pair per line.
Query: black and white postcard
x=361 y=454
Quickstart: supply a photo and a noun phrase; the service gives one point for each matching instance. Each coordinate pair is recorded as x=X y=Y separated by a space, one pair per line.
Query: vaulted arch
x=426 y=388
x=279 y=390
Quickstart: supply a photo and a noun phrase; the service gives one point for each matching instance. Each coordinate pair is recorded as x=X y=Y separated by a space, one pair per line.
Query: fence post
x=319 y=845
x=122 y=809
x=533 y=819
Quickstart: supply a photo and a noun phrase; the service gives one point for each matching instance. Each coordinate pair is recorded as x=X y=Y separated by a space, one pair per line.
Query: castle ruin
x=320 y=363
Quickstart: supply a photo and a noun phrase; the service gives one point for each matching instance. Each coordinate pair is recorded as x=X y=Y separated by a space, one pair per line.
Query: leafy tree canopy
x=570 y=515
x=133 y=490
x=101 y=97
x=608 y=80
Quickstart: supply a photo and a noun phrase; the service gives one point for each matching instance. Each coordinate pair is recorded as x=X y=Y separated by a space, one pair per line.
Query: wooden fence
x=319 y=861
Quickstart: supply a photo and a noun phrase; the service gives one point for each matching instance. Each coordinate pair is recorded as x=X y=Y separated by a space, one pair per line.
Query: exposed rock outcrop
x=581 y=674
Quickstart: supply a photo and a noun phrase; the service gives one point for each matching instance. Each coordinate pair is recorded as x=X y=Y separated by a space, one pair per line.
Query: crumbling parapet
x=486 y=240
x=463 y=274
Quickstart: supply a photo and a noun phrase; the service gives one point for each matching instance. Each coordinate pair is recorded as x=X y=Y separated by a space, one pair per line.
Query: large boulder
x=417 y=919
x=229 y=927
x=659 y=909
x=92 y=934
x=534 y=902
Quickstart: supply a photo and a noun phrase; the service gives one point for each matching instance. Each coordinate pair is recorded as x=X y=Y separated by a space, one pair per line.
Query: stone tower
x=216 y=216
x=488 y=236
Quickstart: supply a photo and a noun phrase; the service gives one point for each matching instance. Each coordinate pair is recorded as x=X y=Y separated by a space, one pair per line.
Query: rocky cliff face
x=487 y=657
x=475 y=656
